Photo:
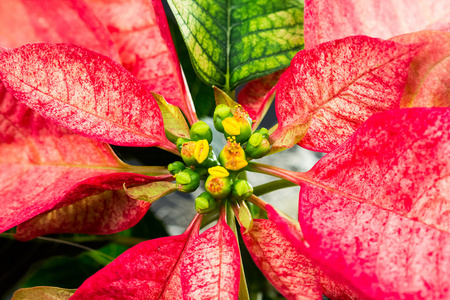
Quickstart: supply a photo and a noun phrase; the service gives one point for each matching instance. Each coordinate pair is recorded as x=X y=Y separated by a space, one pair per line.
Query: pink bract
x=374 y=211
x=45 y=166
x=327 y=20
x=332 y=89
x=86 y=92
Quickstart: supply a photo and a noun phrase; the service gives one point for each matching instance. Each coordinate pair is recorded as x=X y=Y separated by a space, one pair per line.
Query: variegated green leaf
x=232 y=42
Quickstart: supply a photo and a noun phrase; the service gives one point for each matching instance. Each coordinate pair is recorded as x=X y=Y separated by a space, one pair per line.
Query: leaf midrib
x=89 y=113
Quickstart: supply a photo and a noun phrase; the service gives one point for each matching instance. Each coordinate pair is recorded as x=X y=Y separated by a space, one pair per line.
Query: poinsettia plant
x=370 y=89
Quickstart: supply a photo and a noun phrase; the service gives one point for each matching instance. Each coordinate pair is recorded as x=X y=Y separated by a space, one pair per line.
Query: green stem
x=272 y=186
x=231 y=221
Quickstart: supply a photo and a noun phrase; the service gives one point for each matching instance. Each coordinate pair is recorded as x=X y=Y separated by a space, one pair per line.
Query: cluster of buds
x=221 y=175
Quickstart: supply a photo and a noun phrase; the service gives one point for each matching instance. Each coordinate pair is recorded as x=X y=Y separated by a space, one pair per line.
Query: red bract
x=291 y=273
x=142 y=36
x=330 y=90
x=53 y=21
x=374 y=211
x=211 y=266
x=150 y=270
x=256 y=96
x=86 y=92
x=327 y=20
x=46 y=166
x=428 y=82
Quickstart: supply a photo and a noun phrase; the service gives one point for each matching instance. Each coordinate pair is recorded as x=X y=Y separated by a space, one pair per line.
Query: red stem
x=195 y=224
x=294 y=177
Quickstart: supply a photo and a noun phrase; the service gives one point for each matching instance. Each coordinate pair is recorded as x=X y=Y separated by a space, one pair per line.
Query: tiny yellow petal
x=231 y=126
x=236 y=163
x=201 y=150
x=218 y=171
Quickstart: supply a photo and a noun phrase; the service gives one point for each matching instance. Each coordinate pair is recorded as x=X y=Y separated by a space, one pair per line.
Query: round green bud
x=176 y=167
x=257 y=146
x=205 y=203
x=211 y=160
x=187 y=180
x=221 y=112
x=264 y=132
x=180 y=142
x=188 y=153
x=241 y=190
x=218 y=187
x=201 y=131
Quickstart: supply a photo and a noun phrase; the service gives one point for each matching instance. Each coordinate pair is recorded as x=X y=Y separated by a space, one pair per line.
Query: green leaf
x=43 y=292
x=151 y=192
x=231 y=43
x=175 y=125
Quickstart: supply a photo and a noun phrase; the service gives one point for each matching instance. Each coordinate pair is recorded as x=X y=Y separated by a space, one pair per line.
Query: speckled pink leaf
x=149 y=270
x=257 y=95
x=375 y=211
x=331 y=89
x=327 y=20
x=290 y=230
x=428 y=82
x=105 y=213
x=140 y=30
x=86 y=92
x=53 y=21
x=211 y=266
x=292 y=274
x=45 y=166
x=292 y=233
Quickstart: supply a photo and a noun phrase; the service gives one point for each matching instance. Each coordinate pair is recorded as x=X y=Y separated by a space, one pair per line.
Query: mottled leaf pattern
x=375 y=210
x=85 y=92
x=105 y=213
x=45 y=166
x=149 y=270
x=291 y=273
x=211 y=266
x=327 y=20
x=337 y=85
x=232 y=42
x=139 y=29
x=53 y=21
x=428 y=82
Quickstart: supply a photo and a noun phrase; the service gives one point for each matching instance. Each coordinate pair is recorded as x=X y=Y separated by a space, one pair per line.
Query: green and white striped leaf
x=233 y=42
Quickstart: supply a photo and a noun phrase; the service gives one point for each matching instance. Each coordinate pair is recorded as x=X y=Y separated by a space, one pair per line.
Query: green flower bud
x=205 y=203
x=264 y=132
x=232 y=156
x=218 y=184
x=201 y=131
x=221 y=112
x=241 y=190
x=176 y=167
x=187 y=180
x=257 y=146
x=188 y=153
x=180 y=142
